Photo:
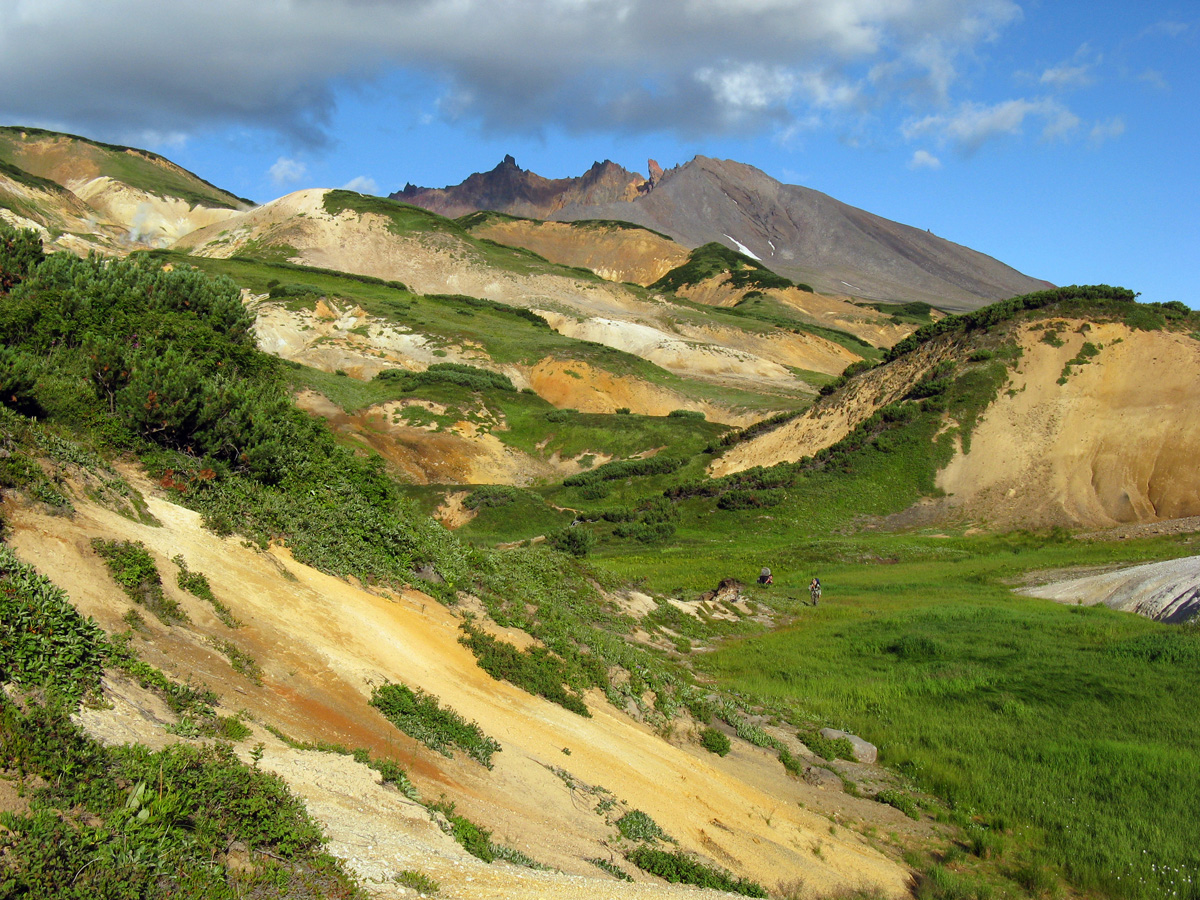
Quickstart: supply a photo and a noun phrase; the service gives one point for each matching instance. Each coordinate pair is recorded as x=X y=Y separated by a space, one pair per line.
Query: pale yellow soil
x=618 y=254
x=828 y=422
x=1117 y=443
x=323 y=644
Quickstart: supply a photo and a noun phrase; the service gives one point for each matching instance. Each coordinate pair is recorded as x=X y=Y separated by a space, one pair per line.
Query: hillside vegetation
x=582 y=672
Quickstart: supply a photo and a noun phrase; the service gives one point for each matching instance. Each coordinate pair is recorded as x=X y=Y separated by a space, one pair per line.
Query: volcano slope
x=798 y=232
x=604 y=726
x=84 y=195
x=436 y=256
x=1090 y=424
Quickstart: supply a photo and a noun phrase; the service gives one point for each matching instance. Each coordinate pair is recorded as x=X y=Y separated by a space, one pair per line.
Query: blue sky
x=1061 y=138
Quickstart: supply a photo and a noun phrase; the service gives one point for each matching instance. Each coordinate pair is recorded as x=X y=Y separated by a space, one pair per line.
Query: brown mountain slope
x=323 y=644
x=796 y=231
x=613 y=252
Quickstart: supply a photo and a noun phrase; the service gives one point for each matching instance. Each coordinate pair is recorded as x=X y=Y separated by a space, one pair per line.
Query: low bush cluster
x=125 y=822
x=715 y=741
x=44 y=641
x=636 y=825
x=679 y=868
x=826 y=748
x=133 y=568
x=535 y=670
x=625 y=468
x=470 y=377
x=196 y=584
x=419 y=715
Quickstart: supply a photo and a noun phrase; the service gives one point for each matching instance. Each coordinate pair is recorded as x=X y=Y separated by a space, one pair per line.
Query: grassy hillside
x=58 y=157
x=1058 y=741
x=506 y=334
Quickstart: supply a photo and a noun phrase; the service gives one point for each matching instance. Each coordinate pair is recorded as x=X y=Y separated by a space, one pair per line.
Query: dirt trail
x=323 y=644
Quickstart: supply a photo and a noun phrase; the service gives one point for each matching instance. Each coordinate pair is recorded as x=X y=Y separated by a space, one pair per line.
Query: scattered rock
x=819 y=776
x=864 y=751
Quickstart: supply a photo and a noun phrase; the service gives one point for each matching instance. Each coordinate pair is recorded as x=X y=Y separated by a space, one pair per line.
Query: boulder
x=864 y=751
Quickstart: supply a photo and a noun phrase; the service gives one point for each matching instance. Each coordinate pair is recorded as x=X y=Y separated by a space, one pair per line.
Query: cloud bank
x=689 y=67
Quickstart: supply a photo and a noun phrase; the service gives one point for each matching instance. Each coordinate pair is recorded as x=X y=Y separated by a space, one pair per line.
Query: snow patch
x=742 y=248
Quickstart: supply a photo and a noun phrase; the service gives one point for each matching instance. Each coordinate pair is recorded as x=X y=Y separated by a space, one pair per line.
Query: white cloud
x=1063 y=77
x=1107 y=131
x=1155 y=79
x=364 y=184
x=683 y=66
x=287 y=171
x=1166 y=29
x=973 y=124
x=923 y=159
x=1076 y=72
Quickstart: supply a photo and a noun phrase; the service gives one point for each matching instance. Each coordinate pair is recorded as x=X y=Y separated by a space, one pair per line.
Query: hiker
x=764 y=577
x=814 y=590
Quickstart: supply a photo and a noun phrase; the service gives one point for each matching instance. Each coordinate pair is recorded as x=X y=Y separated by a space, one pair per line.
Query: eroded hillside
x=81 y=195
x=1093 y=424
x=432 y=256
x=1096 y=427
x=323 y=645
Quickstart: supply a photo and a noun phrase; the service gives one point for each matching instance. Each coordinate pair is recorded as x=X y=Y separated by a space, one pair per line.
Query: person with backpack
x=814 y=590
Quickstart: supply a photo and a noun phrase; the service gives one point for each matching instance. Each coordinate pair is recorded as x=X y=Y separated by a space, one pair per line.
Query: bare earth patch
x=323 y=644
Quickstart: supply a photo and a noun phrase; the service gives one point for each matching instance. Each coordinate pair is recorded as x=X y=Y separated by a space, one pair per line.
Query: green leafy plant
x=418 y=881
x=421 y=716
x=196 y=584
x=132 y=567
x=638 y=826
x=679 y=868
x=715 y=741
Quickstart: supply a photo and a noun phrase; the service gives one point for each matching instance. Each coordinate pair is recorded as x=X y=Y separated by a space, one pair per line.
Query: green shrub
x=419 y=715
x=535 y=670
x=794 y=765
x=241 y=661
x=839 y=748
x=625 y=468
x=491 y=495
x=638 y=826
x=196 y=584
x=418 y=881
x=132 y=567
x=124 y=822
x=470 y=377
x=44 y=641
x=611 y=868
x=686 y=414
x=715 y=741
x=679 y=868
x=473 y=838
x=575 y=540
